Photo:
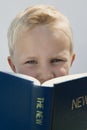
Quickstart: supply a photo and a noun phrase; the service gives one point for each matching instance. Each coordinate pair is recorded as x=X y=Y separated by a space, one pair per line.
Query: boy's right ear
x=10 y=62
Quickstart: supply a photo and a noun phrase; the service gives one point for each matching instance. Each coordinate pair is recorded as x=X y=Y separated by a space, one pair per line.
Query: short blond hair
x=38 y=15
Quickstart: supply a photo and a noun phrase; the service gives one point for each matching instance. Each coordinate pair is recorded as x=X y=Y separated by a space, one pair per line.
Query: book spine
x=41 y=111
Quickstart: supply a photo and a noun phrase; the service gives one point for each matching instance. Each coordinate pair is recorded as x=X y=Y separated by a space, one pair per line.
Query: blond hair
x=38 y=15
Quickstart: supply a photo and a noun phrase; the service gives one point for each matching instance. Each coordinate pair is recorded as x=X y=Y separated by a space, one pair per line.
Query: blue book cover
x=23 y=105
x=70 y=105
x=27 y=105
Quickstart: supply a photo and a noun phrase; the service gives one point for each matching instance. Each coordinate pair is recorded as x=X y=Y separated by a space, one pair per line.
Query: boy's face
x=42 y=53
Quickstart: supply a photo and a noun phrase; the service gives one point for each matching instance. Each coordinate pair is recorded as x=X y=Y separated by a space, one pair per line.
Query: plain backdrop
x=75 y=10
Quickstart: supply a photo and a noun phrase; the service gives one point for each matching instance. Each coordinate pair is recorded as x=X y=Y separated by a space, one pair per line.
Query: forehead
x=42 y=37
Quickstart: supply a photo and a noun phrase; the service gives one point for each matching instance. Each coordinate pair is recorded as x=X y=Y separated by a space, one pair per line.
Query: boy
x=40 y=43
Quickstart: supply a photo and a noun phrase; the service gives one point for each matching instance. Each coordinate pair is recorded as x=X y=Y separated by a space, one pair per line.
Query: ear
x=10 y=62
x=72 y=58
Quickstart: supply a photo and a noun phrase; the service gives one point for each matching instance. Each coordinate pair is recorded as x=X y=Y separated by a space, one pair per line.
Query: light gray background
x=75 y=10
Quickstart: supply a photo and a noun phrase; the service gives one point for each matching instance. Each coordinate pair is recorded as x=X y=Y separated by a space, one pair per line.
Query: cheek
x=64 y=71
x=26 y=71
x=61 y=70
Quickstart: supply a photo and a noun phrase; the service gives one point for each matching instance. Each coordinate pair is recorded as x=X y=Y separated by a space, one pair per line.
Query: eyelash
x=56 y=60
x=51 y=61
x=31 y=62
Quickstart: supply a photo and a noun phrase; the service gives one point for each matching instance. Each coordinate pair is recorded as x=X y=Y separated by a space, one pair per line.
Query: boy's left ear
x=10 y=62
x=73 y=58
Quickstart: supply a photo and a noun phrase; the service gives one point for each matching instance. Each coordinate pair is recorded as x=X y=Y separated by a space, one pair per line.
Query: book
x=57 y=104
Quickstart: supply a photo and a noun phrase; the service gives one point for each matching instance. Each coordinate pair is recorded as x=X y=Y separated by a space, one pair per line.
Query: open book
x=57 y=104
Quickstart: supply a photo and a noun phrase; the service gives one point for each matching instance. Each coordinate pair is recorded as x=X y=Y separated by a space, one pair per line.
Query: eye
x=31 y=62
x=53 y=61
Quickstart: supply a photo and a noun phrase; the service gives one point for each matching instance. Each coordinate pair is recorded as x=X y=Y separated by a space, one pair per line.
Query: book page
x=50 y=82
x=34 y=80
x=63 y=79
x=22 y=76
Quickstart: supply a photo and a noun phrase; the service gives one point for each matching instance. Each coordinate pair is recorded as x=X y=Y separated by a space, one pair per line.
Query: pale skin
x=42 y=53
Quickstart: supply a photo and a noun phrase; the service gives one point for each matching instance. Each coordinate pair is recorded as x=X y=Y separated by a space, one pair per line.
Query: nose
x=44 y=74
